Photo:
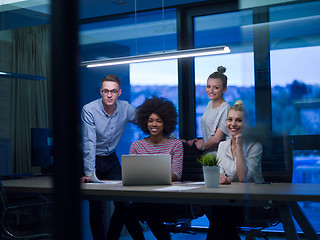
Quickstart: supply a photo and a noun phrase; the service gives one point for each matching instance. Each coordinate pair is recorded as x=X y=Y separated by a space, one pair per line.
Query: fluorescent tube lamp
x=21 y=76
x=157 y=56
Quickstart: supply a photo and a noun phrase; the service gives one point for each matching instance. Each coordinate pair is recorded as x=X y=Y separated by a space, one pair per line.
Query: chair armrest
x=27 y=205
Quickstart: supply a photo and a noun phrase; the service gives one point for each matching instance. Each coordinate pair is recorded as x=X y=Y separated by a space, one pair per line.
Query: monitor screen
x=42 y=145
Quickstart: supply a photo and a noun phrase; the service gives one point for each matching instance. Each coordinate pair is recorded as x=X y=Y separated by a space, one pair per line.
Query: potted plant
x=211 y=169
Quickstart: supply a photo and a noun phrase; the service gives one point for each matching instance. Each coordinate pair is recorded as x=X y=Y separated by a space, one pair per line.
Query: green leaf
x=208 y=159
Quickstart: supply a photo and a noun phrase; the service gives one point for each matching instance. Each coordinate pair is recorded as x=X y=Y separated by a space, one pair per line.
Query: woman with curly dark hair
x=163 y=108
x=157 y=118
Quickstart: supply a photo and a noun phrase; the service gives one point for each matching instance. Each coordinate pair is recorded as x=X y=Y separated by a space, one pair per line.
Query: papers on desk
x=94 y=179
x=194 y=183
x=108 y=182
x=174 y=188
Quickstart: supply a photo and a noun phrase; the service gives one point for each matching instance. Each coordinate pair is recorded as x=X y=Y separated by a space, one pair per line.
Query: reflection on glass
x=235 y=30
x=128 y=35
x=295 y=91
x=143 y=33
x=159 y=79
x=295 y=86
x=306 y=166
x=295 y=83
x=240 y=82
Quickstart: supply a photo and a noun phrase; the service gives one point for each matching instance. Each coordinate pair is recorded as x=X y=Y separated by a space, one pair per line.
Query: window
x=295 y=82
x=144 y=33
x=235 y=30
x=159 y=79
x=129 y=35
x=295 y=87
x=306 y=166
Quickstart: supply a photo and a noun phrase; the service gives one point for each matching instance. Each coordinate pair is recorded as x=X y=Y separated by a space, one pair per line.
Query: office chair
x=191 y=171
x=23 y=218
x=277 y=166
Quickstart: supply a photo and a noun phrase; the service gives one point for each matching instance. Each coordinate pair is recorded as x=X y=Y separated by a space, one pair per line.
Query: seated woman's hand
x=239 y=141
x=224 y=179
x=190 y=142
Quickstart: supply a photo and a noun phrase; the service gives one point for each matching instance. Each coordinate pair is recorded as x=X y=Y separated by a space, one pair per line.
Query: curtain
x=31 y=106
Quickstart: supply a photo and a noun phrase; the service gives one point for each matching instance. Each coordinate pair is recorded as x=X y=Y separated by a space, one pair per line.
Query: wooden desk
x=283 y=195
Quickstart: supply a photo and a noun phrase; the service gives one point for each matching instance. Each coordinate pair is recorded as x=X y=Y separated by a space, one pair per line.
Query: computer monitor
x=42 y=148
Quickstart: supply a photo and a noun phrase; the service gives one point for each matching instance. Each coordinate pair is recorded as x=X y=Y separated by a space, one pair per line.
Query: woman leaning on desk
x=240 y=161
x=157 y=117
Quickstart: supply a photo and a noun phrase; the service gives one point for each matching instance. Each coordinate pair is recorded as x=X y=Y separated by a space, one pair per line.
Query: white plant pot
x=211 y=176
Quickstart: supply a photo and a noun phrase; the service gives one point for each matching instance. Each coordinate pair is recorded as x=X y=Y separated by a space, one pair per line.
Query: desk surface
x=200 y=194
x=242 y=193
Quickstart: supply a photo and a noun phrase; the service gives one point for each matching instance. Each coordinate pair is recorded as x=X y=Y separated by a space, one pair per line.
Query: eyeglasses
x=106 y=91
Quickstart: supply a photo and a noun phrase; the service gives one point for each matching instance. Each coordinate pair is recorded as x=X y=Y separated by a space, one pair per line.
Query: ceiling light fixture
x=157 y=56
x=20 y=76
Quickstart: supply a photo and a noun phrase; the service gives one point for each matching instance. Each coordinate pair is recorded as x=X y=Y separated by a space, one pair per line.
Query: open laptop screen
x=146 y=169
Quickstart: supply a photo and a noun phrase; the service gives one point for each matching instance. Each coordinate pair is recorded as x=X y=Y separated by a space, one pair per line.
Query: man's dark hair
x=111 y=78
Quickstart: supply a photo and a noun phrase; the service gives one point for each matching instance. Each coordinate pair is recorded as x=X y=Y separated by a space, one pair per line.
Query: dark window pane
x=129 y=35
x=235 y=30
x=295 y=48
x=158 y=78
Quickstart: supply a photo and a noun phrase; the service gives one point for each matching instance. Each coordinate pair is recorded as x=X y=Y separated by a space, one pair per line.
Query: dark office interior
x=272 y=68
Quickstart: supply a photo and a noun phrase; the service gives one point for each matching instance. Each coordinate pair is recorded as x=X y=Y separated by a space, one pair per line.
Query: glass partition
x=235 y=30
x=295 y=87
x=130 y=35
x=295 y=82
x=24 y=82
x=159 y=78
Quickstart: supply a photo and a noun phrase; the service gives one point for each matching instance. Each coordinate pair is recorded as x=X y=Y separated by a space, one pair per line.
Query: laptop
x=146 y=169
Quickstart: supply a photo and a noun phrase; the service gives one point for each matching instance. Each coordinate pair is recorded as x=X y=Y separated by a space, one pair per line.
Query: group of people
x=104 y=121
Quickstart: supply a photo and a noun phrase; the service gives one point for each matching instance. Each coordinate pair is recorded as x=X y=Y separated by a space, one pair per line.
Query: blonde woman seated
x=240 y=161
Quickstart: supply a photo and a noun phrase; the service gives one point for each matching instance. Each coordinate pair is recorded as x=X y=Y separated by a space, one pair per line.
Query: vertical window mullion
x=261 y=45
x=186 y=76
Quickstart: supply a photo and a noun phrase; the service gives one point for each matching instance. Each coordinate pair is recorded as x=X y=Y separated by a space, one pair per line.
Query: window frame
x=262 y=71
x=186 y=82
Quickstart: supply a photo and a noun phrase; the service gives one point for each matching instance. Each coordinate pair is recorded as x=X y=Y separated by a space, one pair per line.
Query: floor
x=183 y=236
x=202 y=223
x=312 y=210
x=199 y=235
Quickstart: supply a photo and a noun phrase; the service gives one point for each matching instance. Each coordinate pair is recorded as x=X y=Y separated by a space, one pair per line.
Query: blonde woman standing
x=213 y=121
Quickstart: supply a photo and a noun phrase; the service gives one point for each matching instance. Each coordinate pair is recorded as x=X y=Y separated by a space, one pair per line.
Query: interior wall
x=5 y=103
x=5 y=88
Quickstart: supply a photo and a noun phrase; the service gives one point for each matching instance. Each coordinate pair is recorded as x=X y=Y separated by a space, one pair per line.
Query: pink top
x=172 y=147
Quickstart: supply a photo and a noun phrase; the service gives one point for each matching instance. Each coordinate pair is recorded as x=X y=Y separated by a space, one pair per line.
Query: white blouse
x=252 y=156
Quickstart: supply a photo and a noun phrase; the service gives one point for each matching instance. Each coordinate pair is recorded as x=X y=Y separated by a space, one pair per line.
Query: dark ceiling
x=37 y=12
x=94 y=8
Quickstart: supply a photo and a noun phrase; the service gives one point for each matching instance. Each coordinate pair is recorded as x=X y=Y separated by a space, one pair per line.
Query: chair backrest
x=277 y=162
x=192 y=170
x=3 y=200
x=277 y=165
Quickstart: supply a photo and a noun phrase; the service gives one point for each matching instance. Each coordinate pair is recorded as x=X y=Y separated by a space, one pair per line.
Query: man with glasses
x=103 y=123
